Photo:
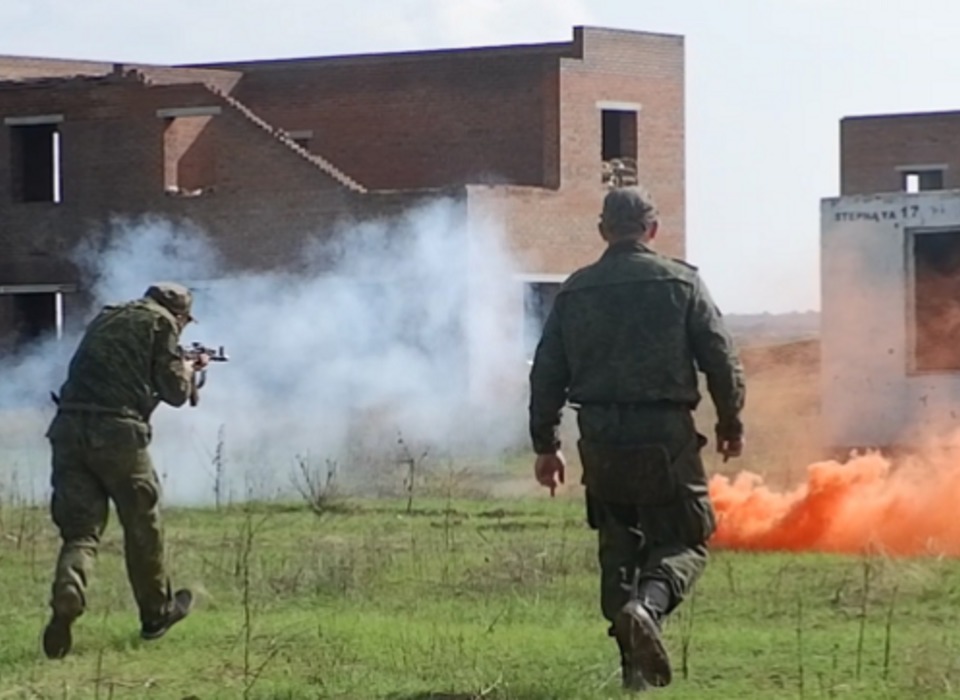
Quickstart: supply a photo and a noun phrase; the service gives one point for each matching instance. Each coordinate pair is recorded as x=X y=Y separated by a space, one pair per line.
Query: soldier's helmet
x=172 y=296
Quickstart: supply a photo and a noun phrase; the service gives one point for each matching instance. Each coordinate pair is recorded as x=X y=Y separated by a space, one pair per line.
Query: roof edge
x=902 y=115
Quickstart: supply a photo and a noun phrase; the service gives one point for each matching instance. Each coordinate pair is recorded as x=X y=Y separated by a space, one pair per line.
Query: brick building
x=526 y=135
x=900 y=152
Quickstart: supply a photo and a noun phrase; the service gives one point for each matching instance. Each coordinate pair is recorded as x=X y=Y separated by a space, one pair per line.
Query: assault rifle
x=199 y=377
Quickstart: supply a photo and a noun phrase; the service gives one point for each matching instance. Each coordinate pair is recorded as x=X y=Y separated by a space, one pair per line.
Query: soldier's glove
x=548 y=469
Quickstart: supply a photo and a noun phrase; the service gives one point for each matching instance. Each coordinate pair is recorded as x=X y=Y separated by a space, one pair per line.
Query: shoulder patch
x=685 y=263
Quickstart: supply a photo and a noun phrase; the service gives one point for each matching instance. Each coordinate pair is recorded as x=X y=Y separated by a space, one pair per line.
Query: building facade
x=900 y=152
x=890 y=285
x=262 y=154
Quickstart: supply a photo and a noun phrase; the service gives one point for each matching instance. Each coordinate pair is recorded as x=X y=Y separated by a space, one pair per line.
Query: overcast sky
x=767 y=83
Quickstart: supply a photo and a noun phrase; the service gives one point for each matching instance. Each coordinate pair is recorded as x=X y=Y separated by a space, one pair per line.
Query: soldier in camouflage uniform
x=127 y=363
x=622 y=345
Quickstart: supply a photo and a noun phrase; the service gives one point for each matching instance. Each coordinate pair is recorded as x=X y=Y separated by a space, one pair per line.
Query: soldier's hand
x=730 y=447
x=201 y=361
x=549 y=470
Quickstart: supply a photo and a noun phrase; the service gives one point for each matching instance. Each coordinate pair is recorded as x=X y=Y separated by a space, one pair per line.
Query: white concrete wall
x=870 y=395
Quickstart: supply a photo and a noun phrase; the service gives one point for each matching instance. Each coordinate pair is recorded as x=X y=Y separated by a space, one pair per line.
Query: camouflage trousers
x=97 y=460
x=641 y=537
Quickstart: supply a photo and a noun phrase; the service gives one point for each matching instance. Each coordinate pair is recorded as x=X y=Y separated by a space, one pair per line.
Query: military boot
x=637 y=630
x=67 y=606
x=630 y=676
x=177 y=609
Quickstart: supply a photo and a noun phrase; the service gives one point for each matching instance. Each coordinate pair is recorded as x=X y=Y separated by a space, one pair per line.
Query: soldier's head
x=628 y=213
x=175 y=298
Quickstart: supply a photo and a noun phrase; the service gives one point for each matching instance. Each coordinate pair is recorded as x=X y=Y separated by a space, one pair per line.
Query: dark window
x=936 y=292
x=34 y=316
x=922 y=180
x=619 y=134
x=35 y=151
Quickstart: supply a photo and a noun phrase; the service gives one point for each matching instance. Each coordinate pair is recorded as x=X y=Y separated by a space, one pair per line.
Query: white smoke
x=397 y=330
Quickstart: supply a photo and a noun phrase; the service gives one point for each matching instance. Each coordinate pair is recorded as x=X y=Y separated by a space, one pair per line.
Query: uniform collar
x=626 y=247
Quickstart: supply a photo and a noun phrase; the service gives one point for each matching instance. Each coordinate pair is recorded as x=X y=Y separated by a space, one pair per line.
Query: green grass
x=464 y=599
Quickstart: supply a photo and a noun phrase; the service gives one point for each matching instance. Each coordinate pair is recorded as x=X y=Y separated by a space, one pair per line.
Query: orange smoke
x=866 y=504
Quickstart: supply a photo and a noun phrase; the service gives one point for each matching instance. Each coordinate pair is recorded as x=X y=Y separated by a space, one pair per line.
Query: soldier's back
x=624 y=330
x=111 y=367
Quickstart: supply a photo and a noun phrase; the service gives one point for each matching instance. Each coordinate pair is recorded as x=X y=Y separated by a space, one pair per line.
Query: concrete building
x=261 y=154
x=890 y=273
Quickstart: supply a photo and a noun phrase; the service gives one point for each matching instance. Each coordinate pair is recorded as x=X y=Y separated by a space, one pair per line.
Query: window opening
x=922 y=180
x=36 y=151
x=936 y=301
x=35 y=316
x=189 y=167
x=619 y=147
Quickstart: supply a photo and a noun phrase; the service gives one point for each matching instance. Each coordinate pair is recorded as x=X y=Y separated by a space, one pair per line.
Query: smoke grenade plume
x=381 y=338
x=870 y=503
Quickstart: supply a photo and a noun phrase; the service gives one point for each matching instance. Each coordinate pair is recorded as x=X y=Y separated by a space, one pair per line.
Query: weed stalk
x=686 y=634
x=863 y=615
x=888 y=633
x=800 y=666
x=219 y=467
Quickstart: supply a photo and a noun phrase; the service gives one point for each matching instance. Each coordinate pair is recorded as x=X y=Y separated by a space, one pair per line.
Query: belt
x=636 y=405
x=71 y=407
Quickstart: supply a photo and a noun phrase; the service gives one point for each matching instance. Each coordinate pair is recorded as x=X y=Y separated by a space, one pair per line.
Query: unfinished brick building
x=909 y=152
x=517 y=134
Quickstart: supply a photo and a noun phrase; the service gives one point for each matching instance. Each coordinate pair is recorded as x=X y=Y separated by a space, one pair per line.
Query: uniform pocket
x=146 y=492
x=65 y=429
x=118 y=433
x=698 y=517
x=640 y=475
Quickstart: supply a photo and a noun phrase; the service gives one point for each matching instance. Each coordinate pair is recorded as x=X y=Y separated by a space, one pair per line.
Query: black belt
x=71 y=407
x=635 y=405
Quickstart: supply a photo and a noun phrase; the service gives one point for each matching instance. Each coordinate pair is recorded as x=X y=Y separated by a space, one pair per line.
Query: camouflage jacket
x=128 y=361
x=633 y=328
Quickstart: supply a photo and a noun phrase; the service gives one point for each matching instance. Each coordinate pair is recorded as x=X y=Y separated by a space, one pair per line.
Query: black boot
x=637 y=629
x=177 y=609
x=656 y=598
x=67 y=606
x=630 y=676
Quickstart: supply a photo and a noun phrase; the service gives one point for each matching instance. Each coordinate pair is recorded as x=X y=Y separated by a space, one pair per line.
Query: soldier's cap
x=172 y=296
x=628 y=209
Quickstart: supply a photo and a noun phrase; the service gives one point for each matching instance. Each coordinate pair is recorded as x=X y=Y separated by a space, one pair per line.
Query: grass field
x=462 y=597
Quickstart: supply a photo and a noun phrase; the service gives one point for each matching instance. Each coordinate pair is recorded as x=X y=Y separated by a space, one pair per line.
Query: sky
x=767 y=84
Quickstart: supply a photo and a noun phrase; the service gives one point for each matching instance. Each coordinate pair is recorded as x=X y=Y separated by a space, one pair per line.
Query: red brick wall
x=266 y=197
x=623 y=67
x=418 y=120
x=556 y=232
x=871 y=148
x=552 y=232
x=529 y=114
x=525 y=116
